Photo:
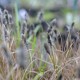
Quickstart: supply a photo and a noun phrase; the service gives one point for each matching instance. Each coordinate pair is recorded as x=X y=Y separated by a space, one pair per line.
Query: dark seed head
x=7 y=54
x=55 y=31
x=10 y=19
x=65 y=28
x=72 y=24
x=60 y=77
x=40 y=15
x=49 y=41
x=5 y=11
x=44 y=25
x=24 y=28
x=54 y=23
x=47 y=48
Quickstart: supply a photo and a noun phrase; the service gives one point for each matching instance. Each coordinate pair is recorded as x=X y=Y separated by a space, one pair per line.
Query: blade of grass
x=17 y=24
x=38 y=76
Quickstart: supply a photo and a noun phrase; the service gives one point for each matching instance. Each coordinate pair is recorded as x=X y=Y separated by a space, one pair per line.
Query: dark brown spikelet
x=47 y=48
x=62 y=38
x=10 y=19
x=23 y=32
x=40 y=15
x=54 y=23
x=24 y=28
x=49 y=41
x=60 y=77
x=72 y=25
x=43 y=23
x=5 y=20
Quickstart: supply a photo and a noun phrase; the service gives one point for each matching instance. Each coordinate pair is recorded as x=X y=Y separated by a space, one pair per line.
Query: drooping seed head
x=6 y=14
x=10 y=19
x=24 y=31
x=7 y=54
x=21 y=55
x=52 y=36
x=24 y=27
x=46 y=46
x=53 y=23
x=5 y=34
x=5 y=11
x=40 y=15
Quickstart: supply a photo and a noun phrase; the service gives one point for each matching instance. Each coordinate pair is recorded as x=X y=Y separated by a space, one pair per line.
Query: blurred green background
x=65 y=10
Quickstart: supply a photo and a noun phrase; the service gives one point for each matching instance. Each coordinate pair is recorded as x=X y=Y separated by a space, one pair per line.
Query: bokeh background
x=65 y=10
